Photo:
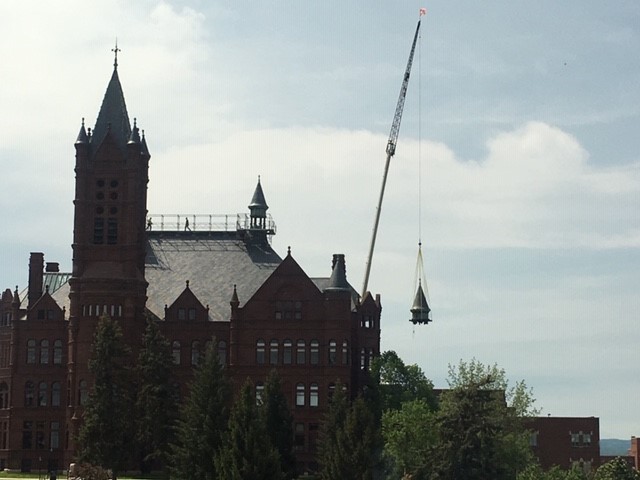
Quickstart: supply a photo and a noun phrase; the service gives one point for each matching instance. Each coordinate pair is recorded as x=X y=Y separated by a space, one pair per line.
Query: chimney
x=36 y=267
x=52 y=267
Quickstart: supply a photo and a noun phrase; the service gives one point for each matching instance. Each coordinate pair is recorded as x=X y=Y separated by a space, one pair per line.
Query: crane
x=391 y=150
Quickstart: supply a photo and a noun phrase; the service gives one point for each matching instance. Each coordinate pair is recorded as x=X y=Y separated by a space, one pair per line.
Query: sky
x=517 y=163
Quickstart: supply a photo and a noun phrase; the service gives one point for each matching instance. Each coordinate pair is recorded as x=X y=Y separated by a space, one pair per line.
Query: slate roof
x=58 y=288
x=112 y=112
x=212 y=262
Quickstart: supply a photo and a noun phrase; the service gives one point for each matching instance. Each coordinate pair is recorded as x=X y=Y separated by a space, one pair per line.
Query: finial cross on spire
x=115 y=51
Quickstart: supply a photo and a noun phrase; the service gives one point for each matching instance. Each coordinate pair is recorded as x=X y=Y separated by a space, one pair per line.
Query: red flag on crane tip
x=423 y=11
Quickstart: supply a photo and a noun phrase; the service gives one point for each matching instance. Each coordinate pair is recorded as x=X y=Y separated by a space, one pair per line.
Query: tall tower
x=109 y=240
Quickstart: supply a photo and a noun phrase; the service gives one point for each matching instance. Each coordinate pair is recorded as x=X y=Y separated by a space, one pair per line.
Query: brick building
x=566 y=441
x=200 y=277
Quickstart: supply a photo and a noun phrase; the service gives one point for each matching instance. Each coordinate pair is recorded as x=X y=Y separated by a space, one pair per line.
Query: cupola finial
x=115 y=51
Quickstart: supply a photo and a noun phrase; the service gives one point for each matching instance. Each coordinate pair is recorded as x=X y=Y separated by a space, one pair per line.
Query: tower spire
x=115 y=51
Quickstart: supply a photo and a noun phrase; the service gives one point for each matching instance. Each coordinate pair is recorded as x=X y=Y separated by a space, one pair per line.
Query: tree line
x=396 y=428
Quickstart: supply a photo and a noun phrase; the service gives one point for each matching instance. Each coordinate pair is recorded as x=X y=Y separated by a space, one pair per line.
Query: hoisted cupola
x=420 y=311
x=258 y=209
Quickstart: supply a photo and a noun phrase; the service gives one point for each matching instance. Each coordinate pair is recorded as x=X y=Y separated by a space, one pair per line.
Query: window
x=314 y=430
x=313 y=395
x=586 y=439
x=42 y=394
x=345 y=352
x=273 y=352
x=301 y=353
x=112 y=231
x=4 y=435
x=175 y=352
x=40 y=443
x=29 y=393
x=57 y=352
x=363 y=359
x=367 y=321
x=575 y=439
x=31 y=351
x=4 y=395
x=222 y=352
x=332 y=390
x=44 y=352
x=182 y=314
x=54 y=436
x=195 y=352
x=300 y=394
x=27 y=434
x=259 y=393
x=298 y=443
x=287 y=352
x=260 y=352
x=51 y=314
x=98 y=230
x=83 y=392
x=288 y=310
x=40 y=314
x=333 y=352
x=55 y=394
x=314 y=356
x=192 y=314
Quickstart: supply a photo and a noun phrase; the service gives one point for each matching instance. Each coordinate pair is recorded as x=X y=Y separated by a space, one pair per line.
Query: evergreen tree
x=248 y=453
x=279 y=423
x=349 y=440
x=203 y=421
x=156 y=401
x=106 y=436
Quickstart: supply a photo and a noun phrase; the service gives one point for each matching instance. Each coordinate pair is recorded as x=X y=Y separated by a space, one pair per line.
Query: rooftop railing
x=205 y=223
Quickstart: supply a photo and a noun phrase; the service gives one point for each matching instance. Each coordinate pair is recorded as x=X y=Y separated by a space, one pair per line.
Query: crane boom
x=391 y=150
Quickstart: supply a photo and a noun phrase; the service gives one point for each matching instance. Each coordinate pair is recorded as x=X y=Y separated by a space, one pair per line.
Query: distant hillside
x=614 y=446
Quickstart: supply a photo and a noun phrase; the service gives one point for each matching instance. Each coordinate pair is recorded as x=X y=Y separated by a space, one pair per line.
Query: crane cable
x=419 y=276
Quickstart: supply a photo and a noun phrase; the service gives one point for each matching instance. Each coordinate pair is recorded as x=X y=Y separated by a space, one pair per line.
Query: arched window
x=55 y=394
x=273 y=352
x=195 y=352
x=4 y=395
x=29 y=393
x=314 y=356
x=287 y=352
x=345 y=352
x=222 y=352
x=313 y=395
x=175 y=352
x=44 y=352
x=42 y=394
x=333 y=352
x=259 y=393
x=300 y=394
x=83 y=392
x=301 y=352
x=57 y=352
x=31 y=351
x=260 y=348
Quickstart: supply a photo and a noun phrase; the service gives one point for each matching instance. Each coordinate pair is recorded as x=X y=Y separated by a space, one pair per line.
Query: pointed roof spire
x=82 y=135
x=338 y=280
x=145 y=149
x=113 y=112
x=134 y=138
x=16 y=298
x=258 y=203
x=235 y=302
